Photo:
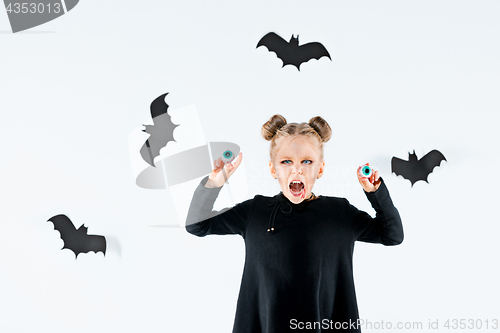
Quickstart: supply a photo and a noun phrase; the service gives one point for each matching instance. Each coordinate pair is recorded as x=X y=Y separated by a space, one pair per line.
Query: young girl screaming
x=298 y=246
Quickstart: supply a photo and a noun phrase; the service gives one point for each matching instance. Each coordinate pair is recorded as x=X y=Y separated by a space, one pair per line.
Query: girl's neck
x=312 y=197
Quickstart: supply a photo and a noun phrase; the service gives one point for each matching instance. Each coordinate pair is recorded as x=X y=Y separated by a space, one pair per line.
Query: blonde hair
x=276 y=128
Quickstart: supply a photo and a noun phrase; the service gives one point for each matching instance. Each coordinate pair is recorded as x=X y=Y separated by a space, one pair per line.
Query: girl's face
x=297 y=166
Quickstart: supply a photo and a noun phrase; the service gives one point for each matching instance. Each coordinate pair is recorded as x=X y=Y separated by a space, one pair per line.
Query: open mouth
x=297 y=188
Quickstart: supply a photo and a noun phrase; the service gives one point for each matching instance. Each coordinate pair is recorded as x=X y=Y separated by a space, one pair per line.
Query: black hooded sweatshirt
x=298 y=273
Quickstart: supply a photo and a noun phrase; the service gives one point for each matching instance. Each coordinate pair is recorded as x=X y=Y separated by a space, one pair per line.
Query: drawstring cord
x=278 y=204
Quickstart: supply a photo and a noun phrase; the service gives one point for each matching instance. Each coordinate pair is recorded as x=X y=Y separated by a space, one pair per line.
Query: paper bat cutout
x=161 y=132
x=77 y=240
x=290 y=52
x=417 y=169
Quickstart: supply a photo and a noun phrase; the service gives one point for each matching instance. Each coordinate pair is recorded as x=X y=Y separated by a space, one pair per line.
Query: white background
x=404 y=75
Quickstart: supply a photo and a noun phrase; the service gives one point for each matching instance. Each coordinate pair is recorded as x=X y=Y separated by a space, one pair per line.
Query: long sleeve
x=386 y=227
x=202 y=220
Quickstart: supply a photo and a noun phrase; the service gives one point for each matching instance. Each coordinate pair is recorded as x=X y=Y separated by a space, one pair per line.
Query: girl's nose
x=297 y=171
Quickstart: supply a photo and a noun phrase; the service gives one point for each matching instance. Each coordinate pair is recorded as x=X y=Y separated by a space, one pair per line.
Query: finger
x=377 y=175
x=365 y=183
x=225 y=175
x=236 y=162
x=238 y=159
x=220 y=164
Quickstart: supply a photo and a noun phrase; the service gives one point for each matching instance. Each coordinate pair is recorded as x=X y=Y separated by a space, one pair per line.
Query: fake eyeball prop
x=227 y=156
x=365 y=171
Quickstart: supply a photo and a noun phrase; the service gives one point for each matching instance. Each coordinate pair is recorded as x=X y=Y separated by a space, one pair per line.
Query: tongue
x=296 y=187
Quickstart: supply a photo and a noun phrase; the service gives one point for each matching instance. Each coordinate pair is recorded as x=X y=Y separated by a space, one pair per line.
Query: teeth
x=296 y=182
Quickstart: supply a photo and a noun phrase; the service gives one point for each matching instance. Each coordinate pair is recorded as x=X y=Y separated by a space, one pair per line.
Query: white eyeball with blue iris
x=227 y=156
x=365 y=171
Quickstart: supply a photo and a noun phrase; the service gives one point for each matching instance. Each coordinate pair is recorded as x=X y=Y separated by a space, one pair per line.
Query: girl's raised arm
x=202 y=220
x=386 y=228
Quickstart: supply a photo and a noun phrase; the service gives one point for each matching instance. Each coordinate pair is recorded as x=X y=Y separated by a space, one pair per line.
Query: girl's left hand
x=370 y=184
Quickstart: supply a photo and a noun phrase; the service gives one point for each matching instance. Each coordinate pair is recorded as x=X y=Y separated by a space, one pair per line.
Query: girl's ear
x=273 y=170
x=321 y=170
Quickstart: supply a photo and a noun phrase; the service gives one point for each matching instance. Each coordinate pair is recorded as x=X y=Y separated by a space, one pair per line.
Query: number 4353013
x=33 y=8
x=471 y=324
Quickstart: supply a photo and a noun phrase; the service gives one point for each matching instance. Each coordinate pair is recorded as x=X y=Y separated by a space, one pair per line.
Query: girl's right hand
x=372 y=183
x=217 y=178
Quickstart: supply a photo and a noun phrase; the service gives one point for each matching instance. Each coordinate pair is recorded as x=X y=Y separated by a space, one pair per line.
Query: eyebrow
x=290 y=158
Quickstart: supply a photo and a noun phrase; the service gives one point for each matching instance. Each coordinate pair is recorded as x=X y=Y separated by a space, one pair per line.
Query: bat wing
x=94 y=243
x=406 y=169
x=278 y=45
x=160 y=133
x=77 y=240
x=431 y=160
x=398 y=166
x=148 y=154
x=158 y=106
x=310 y=51
x=65 y=227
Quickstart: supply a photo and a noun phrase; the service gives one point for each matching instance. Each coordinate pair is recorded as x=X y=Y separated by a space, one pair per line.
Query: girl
x=299 y=246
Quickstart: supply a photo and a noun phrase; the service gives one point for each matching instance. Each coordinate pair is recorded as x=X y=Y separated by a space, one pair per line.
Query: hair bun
x=321 y=127
x=271 y=127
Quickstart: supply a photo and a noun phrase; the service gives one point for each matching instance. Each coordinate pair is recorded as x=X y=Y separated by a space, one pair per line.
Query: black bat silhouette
x=77 y=240
x=415 y=169
x=290 y=52
x=161 y=132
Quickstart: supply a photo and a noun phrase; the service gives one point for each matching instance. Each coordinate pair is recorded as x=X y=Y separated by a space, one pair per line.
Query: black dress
x=298 y=261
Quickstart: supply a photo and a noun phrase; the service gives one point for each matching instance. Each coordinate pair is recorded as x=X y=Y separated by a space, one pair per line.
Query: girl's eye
x=289 y=162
